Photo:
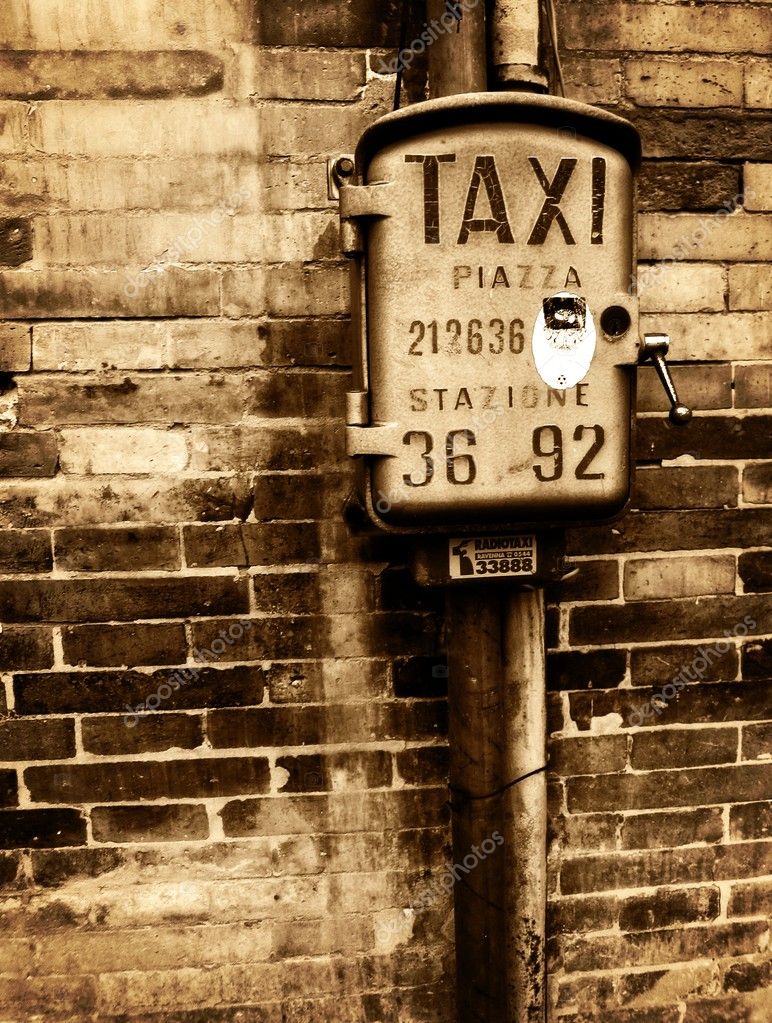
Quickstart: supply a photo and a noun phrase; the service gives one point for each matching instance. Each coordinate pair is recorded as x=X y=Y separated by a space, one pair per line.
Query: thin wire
x=553 y=26
x=502 y=789
x=403 y=30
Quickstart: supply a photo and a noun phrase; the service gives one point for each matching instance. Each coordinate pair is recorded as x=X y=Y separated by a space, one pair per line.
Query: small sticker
x=486 y=557
x=563 y=340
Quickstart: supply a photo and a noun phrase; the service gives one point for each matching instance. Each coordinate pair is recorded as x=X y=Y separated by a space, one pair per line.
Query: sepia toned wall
x=267 y=842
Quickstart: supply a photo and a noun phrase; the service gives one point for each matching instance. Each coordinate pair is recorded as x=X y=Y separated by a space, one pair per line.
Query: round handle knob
x=680 y=414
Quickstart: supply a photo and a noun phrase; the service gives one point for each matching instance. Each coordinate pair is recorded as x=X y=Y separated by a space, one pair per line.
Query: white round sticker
x=563 y=340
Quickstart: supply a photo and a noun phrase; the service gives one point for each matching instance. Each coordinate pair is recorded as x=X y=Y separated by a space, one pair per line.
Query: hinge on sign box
x=384 y=439
x=358 y=202
x=364 y=439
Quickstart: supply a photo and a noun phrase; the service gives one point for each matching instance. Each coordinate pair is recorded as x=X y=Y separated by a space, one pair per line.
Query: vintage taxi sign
x=493 y=243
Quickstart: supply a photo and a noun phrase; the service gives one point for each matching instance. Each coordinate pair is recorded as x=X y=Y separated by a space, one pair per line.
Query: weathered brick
x=567 y=916
x=94 y=452
x=707 y=436
x=293 y=291
x=757 y=483
x=313 y=495
x=590 y=831
x=421 y=676
x=753 y=385
x=115 y=645
x=656 y=666
x=593 y=81
x=119 y=550
x=124 y=128
x=39 y=294
x=596 y=580
x=36 y=739
x=684 y=235
x=249 y=543
x=757 y=659
x=176 y=23
x=683 y=748
x=425 y=765
x=287 y=73
x=334 y=772
x=69 y=502
x=291 y=593
x=670 y=82
x=712 y=28
x=610 y=871
x=89 y=600
x=701 y=386
x=755 y=569
x=718 y=134
x=758 y=186
x=659 y=578
x=674 y=530
x=750 y=820
x=25 y=648
x=120 y=781
x=667 y=945
x=669 y=907
x=94 y=692
x=599 y=669
x=15 y=348
x=684 y=186
x=750 y=899
x=334 y=723
x=680 y=288
x=354 y=23
x=676 y=619
x=73 y=994
x=663 y=788
x=42 y=829
x=333 y=812
x=758 y=85
x=306 y=343
x=602 y=754
x=747 y=976
x=150 y=733
x=25 y=550
x=29 y=74
x=310 y=395
x=28 y=454
x=756 y=741
x=10 y=869
x=750 y=286
x=242 y=448
x=688 y=486
x=9 y=788
x=142 y=399
x=183 y=823
x=672 y=828
x=713 y=336
x=744 y=1008
x=695 y=704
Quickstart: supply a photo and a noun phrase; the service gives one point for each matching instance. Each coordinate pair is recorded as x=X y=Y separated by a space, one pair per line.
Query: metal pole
x=525 y=805
x=476 y=714
x=458 y=56
x=496 y=688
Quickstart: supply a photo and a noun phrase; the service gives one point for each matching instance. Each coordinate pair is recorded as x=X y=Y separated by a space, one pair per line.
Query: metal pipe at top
x=458 y=57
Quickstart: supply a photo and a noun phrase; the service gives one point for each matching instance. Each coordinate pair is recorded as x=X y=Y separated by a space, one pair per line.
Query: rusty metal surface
x=497 y=729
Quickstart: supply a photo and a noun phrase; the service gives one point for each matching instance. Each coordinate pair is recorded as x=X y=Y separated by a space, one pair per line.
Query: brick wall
x=173 y=355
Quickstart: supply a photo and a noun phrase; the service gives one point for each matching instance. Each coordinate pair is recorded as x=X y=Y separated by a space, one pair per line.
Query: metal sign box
x=493 y=246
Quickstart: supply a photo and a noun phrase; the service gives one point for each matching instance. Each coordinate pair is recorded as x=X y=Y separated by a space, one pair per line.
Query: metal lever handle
x=655 y=347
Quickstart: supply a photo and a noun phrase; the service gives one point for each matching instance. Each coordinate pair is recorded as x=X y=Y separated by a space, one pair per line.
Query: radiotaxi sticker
x=479 y=557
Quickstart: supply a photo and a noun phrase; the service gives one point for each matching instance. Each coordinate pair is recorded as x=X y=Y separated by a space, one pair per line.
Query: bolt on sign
x=493 y=243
